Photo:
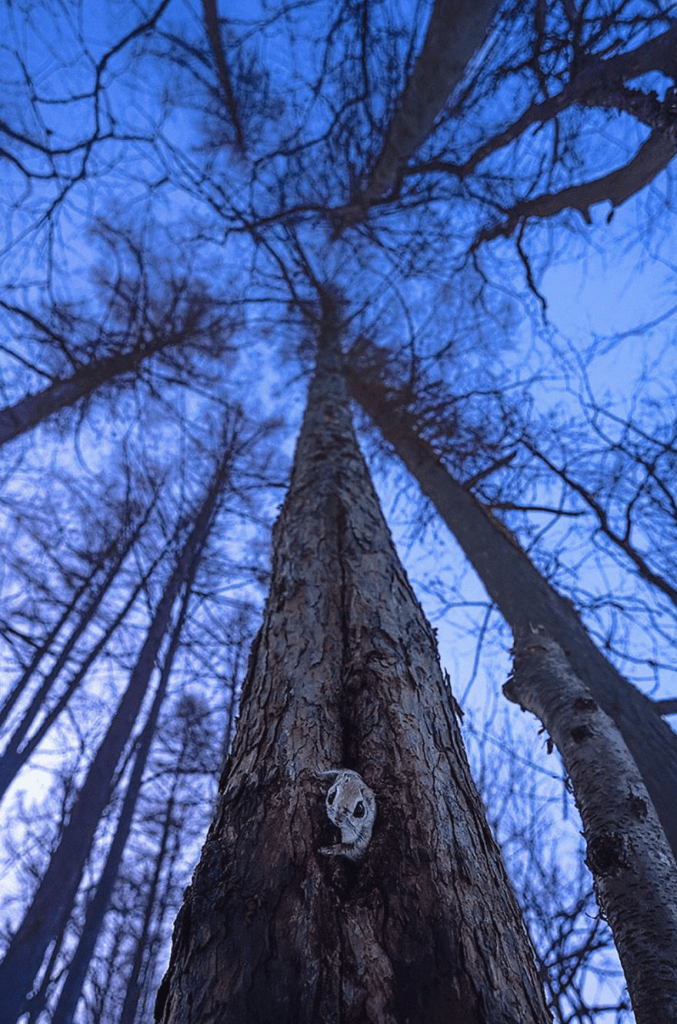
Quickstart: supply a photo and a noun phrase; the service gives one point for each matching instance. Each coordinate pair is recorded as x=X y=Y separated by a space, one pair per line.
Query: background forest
x=489 y=189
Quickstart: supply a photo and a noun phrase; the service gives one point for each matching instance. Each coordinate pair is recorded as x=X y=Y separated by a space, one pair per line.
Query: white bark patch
x=627 y=852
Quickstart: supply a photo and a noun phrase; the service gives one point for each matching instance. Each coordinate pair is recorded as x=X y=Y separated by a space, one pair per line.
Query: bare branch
x=667 y=706
x=622 y=542
x=598 y=84
x=615 y=188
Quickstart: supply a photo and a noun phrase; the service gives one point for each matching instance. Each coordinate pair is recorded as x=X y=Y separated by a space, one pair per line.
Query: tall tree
x=54 y=897
x=345 y=673
x=148 y=320
x=635 y=874
x=98 y=572
x=98 y=905
x=520 y=592
x=193 y=741
x=16 y=751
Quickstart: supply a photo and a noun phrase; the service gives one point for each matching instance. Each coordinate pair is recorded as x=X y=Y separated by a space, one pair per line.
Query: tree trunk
x=40 y=998
x=14 y=755
x=96 y=910
x=95 y=590
x=53 y=900
x=65 y=392
x=165 y=907
x=134 y=981
x=344 y=673
x=42 y=650
x=456 y=30
x=628 y=854
x=525 y=598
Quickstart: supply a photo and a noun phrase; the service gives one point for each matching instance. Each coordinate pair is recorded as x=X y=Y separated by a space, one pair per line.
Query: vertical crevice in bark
x=627 y=852
x=522 y=595
x=345 y=673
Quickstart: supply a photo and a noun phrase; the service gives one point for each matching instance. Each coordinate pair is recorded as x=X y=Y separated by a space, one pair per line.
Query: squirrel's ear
x=332 y=774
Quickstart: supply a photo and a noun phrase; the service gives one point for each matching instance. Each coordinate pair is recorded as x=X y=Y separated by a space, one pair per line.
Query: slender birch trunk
x=627 y=852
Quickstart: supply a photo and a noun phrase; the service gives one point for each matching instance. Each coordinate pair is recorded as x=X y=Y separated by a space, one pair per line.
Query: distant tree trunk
x=95 y=589
x=99 y=904
x=345 y=673
x=157 y=933
x=134 y=981
x=627 y=852
x=53 y=900
x=523 y=596
x=42 y=650
x=107 y=984
x=40 y=998
x=14 y=758
x=14 y=755
x=213 y=29
x=456 y=30
x=65 y=392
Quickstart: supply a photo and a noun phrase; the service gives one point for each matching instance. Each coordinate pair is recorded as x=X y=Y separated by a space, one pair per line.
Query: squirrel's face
x=351 y=806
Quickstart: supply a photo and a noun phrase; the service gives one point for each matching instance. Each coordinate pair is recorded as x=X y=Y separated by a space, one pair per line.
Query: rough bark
x=627 y=852
x=456 y=30
x=345 y=673
x=524 y=597
x=54 y=897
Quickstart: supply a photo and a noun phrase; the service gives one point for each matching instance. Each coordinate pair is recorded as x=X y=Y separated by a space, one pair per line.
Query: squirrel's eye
x=359 y=810
x=330 y=796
